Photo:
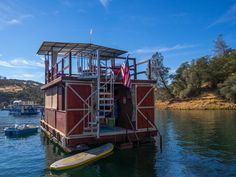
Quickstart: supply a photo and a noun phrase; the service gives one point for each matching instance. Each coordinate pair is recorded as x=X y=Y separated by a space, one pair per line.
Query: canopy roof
x=76 y=48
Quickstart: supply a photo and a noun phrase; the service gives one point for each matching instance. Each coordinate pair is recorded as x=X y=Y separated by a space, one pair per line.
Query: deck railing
x=84 y=67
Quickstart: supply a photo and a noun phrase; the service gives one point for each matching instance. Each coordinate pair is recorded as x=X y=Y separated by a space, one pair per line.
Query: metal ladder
x=104 y=98
x=106 y=93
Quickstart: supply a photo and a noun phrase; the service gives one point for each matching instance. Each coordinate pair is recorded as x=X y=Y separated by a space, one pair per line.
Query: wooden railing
x=64 y=67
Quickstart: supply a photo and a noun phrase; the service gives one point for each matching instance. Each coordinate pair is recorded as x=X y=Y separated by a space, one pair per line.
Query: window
x=51 y=98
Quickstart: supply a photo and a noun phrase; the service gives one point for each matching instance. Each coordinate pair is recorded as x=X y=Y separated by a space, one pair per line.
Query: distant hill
x=13 y=89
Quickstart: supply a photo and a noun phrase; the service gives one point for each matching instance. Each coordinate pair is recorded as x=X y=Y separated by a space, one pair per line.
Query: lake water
x=195 y=143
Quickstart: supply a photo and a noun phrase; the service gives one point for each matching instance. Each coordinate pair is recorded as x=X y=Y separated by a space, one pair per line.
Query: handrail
x=142 y=62
x=136 y=69
x=141 y=72
x=103 y=85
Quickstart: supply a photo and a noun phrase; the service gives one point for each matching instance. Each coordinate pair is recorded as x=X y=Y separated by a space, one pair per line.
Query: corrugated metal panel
x=76 y=48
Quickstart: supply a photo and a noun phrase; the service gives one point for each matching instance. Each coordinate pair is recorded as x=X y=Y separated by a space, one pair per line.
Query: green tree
x=222 y=67
x=160 y=73
x=185 y=81
x=201 y=67
x=189 y=78
x=228 y=88
x=220 y=46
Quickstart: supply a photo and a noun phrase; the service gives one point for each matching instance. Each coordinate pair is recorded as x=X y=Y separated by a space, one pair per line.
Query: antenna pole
x=90 y=35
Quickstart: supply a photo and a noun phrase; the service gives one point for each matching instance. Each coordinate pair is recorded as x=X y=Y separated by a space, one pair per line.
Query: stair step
x=105 y=99
x=106 y=110
x=100 y=117
x=92 y=123
x=89 y=128
x=107 y=104
x=105 y=93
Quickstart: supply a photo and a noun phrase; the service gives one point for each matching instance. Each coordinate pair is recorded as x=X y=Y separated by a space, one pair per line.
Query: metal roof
x=76 y=48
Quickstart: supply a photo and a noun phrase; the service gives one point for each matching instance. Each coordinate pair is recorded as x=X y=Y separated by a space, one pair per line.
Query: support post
x=62 y=66
x=149 y=69
x=98 y=93
x=135 y=70
x=70 y=63
x=66 y=116
x=113 y=62
x=56 y=71
x=46 y=69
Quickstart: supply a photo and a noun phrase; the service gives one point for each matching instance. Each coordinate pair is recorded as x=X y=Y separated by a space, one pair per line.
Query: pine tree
x=160 y=73
x=220 y=46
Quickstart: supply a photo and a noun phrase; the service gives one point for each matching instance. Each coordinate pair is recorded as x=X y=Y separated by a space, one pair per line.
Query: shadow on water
x=135 y=162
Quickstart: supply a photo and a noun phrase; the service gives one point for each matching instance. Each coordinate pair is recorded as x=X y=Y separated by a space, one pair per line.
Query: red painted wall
x=60 y=121
x=50 y=117
x=74 y=102
x=146 y=106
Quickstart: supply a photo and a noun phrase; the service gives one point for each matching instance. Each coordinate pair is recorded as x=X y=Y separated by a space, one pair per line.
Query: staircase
x=105 y=95
x=104 y=99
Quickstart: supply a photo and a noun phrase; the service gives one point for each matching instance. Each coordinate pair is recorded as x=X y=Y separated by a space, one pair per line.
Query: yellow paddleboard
x=82 y=158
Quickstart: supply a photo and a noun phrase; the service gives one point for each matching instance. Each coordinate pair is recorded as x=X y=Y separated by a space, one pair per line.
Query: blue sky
x=180 y=29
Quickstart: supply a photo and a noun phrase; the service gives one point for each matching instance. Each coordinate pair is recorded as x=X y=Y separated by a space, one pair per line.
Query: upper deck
x=82 y=61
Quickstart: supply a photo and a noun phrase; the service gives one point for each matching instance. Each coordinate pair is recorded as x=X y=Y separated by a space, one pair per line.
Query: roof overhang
x=75 y=49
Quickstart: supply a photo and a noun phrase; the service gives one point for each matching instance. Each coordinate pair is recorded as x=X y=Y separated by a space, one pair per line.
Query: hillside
x=13 y=89
x=207 y=82
x=205 y=101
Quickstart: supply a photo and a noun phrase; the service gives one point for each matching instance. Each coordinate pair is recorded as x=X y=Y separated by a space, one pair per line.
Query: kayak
x=82 y=158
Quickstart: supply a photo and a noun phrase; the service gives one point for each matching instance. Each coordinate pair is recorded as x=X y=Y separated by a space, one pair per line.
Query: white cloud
x=25 y=76
x=38 y=64
x=162 y=49
x=18 y=20
x=228 y=16
x=20 y=62
x=28 y=75
x=0 y=55
x=41 y=57
x=5 y=64
x=12 y=13
x=105 y=3
x=13 y=22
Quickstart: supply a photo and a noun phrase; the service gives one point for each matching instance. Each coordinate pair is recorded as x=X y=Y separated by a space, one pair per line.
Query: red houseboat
x=86 y=101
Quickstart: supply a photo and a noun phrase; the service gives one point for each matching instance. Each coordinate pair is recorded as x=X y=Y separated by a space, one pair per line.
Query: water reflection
x=197 y=143
x=138 y=162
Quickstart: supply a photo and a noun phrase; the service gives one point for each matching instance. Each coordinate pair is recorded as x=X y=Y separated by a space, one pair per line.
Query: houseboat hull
x=70 y=143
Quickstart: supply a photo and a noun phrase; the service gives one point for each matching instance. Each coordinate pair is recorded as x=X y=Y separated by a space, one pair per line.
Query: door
x=145 y=106
x=78 y=107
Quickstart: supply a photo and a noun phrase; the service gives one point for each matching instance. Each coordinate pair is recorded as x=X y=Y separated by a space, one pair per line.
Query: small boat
x=23 y=108
x=24 y=129
x=82 y=158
